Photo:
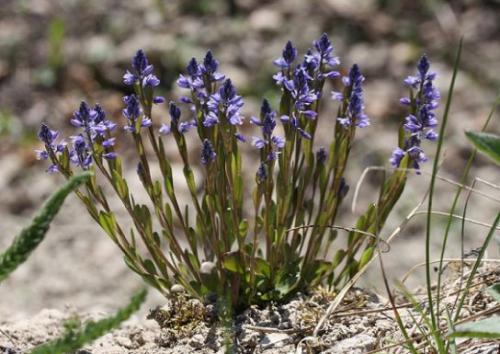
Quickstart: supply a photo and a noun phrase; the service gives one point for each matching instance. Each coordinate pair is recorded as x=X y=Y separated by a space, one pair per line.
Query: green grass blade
x=425 y=318
x=31 y=236
x=488 y=144
x=476 y=265
x=463 y=180
x=74 y=339
x=438 y=339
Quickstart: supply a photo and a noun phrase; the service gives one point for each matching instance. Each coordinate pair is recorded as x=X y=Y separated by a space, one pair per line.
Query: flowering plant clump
x=217 y=245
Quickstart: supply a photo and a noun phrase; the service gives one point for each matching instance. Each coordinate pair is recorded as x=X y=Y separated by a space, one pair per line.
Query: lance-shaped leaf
x=488 y=144
x=487 y=328
x=31 y=236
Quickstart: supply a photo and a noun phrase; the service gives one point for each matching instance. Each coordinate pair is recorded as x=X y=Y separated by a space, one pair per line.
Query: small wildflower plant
x=217 y=245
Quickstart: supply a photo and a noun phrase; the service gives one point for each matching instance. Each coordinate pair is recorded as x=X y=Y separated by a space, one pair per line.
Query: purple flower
x=53 y=169
x=343 y=188
x=294 y=124
x=325 y=51
x=397 y=156
x=224 y=101
x=288 y=56
x=187 y=82
x=92 y=120
x=355 y=114
x=41 y=154
x=140 y=63
x=150 y=81
x=267 y=122
x=210 y=120
x=132 y=111
x=259 y=143
x=110 y=155
x=108 y=143
x=175 y=124
x=80 y=153
x=278 y=141
x=207 y=152
x=209 y=68
x=261 y=174
x=142 y=72
x=321 y=156
x=184 y=127
x=420 y=124
x=158 y=99
x=303 y=96
x=240 y=137
x=320 y=59
x=174 y=112
x=46 y=135
x=165 y=129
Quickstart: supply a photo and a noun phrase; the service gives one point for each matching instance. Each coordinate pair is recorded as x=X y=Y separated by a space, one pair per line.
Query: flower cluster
x=96 y=131
x=175 y=123
x=225 y=102
x=210 y=102
x=200 y=78
x=354 y=114
x=134 y=114
x=142 y=72
x=271 y=143
x=420 y=123
x=48 y=137
x=304 y=82
x=207 y=152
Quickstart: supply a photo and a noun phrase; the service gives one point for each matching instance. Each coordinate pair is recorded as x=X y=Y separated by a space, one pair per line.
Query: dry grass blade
x=444 y=179
x=349 y=229
x=412 y=269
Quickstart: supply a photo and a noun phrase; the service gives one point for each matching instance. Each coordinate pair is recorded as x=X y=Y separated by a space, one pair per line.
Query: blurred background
x=54 y=53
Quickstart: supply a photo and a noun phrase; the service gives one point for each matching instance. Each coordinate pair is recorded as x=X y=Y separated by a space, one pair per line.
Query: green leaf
x=188 y=173
x=150 y=266
x=494 y=291
x=31 y=236
x=243 y=228
x=108 y=223
x=488 y=144
x=487 y=328
x=73 y=338
x=232 y=262
x=262 y=267
x=366 y=256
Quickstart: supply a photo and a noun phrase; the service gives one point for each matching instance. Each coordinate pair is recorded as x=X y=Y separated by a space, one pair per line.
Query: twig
x=277 y=330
